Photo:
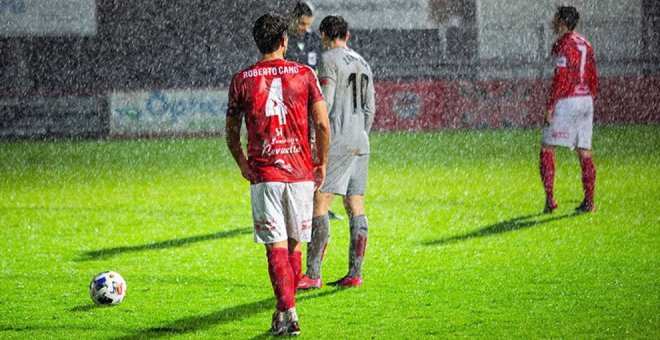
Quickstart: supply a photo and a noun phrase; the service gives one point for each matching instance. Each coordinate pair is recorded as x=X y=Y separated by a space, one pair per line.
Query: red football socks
x=547 y=167
x=296 y=266
x=588 y=178
x=281 y=277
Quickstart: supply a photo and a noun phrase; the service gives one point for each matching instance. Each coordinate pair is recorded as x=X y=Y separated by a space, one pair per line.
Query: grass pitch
x=457 y=247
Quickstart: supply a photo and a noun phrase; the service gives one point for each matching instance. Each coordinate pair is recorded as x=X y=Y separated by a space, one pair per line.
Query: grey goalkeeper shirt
x=348 y=88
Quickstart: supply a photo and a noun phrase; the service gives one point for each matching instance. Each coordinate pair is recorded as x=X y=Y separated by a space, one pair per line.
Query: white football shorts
x=282 y=210
x=572 y=123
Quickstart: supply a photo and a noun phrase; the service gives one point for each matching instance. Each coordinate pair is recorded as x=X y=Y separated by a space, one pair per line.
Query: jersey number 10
x=363 y=83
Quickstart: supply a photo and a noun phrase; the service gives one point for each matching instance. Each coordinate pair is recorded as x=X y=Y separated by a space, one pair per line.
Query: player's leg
x=336 y=181
x=270 y=229
x=547 y=171
x=290 y=317
x=319 y=241
x=281 y=278
x=295 y=260
x=285 y=317
x=588 y=180
x=561 y=132
x=298 y=215
x=354 y=204
x=298 y=209
x=585 y=130
x=359 y=232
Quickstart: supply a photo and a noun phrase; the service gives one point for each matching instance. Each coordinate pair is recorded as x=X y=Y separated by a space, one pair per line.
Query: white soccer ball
x=107 y=289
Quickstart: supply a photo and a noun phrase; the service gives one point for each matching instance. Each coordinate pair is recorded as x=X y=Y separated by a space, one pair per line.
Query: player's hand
x=548 y=117
x=248 y=174
x=319 y=176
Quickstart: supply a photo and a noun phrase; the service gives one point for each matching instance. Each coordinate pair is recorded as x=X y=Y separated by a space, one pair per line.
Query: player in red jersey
x=570 y=109
x=275 y=98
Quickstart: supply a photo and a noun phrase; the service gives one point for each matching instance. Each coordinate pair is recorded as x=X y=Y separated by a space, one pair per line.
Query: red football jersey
x=275 y=97
x=575 y=69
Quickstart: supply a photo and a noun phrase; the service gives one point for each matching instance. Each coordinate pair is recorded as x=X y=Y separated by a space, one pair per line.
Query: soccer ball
x=107 y=289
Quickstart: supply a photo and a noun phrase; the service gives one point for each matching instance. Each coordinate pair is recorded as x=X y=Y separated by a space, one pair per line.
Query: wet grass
x=457 y=246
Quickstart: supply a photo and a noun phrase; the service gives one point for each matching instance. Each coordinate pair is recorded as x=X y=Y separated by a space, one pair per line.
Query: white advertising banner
x=168 y=112
x=47 y=18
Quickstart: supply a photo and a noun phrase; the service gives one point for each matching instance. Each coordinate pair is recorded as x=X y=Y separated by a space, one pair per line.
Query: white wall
x=377 y=14
x=520 y=31
x=514 y=37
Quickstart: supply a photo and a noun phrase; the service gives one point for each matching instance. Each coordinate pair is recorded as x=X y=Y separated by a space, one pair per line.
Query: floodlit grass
x=457 y=246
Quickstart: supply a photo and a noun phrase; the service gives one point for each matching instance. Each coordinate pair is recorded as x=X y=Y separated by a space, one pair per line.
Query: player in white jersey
x=348 y=87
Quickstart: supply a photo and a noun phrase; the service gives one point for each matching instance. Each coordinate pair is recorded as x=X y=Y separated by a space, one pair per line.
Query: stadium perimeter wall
x=412 y=106
x=409 y=106
x=440 y=105
x=149 y=68
x=519 y=33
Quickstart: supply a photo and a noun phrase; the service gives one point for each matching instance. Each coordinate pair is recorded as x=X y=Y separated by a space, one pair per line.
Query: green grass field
x=457 y=246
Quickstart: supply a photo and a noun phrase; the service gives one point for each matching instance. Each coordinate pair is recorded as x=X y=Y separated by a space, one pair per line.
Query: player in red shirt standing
x=275 y=98
x=570 y=109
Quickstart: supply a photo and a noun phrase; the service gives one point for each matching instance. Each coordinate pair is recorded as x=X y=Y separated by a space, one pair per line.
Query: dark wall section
x=139 y=45
x=73 y=117
x=651 y=9
x=159 y=44
x=52 y=87
x=168 y=44
x=148 y=44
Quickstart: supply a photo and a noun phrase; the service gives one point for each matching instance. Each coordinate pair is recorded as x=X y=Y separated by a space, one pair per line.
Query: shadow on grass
x=83 y=308
x=229 y=314
x=104 y=253
x=516 y=223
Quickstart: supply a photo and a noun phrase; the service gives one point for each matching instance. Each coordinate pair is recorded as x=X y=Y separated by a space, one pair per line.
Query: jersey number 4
x=362 y=84
x=275 y=102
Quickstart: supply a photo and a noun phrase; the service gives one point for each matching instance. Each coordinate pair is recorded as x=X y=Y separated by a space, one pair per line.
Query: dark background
x=158 y=44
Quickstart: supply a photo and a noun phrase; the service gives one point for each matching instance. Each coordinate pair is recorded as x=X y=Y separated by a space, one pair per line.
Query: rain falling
x=488 y=215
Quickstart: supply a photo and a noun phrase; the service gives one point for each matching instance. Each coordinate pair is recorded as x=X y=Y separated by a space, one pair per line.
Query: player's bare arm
x=233 y=132
x=322 y=130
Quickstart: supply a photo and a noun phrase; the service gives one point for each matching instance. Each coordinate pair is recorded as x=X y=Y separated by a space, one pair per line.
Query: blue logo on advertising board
x=406 y=104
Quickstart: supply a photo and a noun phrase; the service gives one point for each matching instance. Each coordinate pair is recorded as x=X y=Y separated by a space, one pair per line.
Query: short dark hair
x=302 y=8
x=569 y=15
x=268 y=31
x=334 y=27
